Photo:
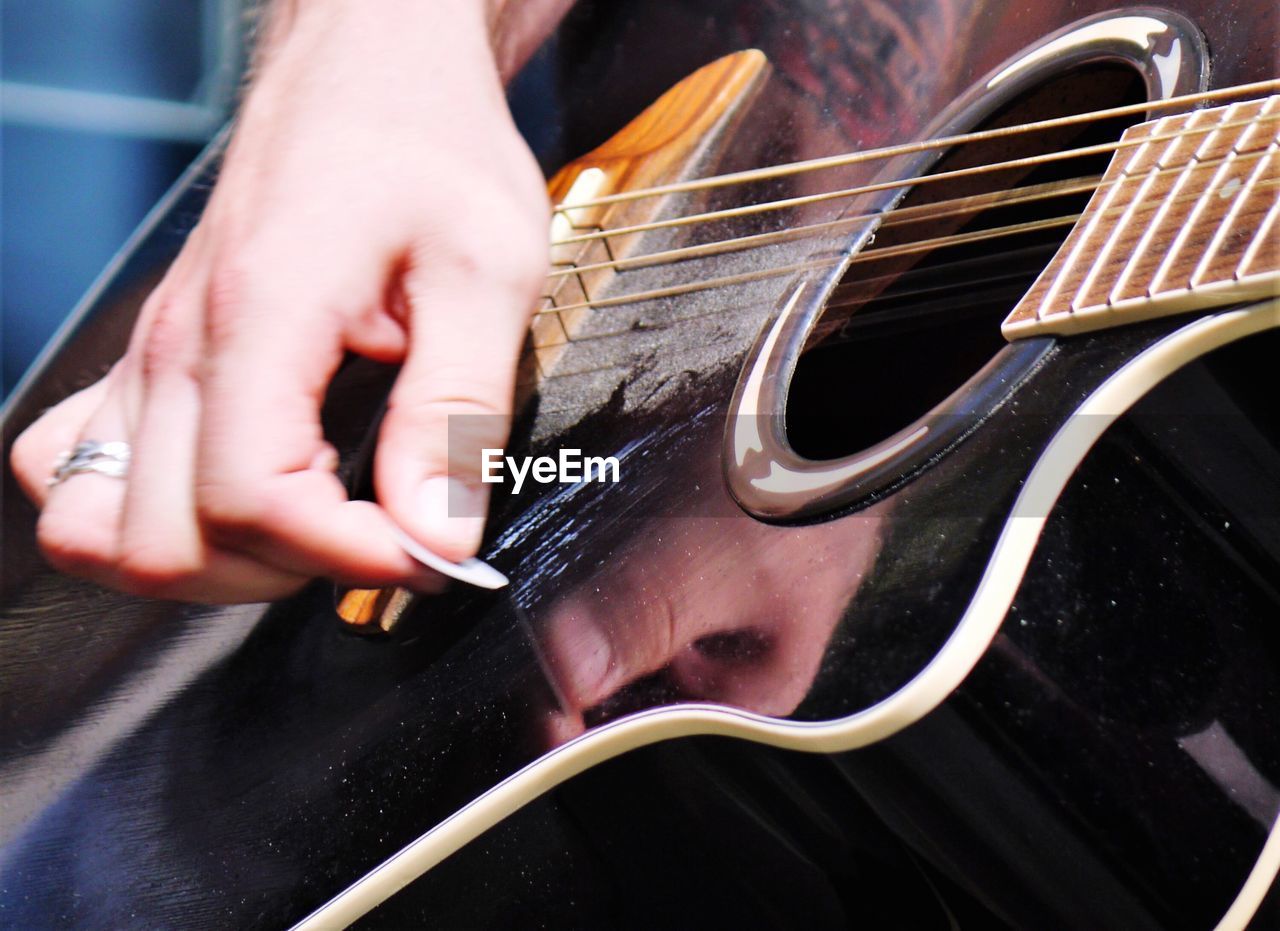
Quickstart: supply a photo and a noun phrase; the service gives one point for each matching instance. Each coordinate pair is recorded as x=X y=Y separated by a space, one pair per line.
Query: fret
x=1248 y=206
x=1185 y=226
x=1171 y=207
x=1174 y=273
x=1150 y=167
x=1080 y=245
x=1261 y=256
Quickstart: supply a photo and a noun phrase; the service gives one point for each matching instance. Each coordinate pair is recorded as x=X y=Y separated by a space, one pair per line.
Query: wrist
x=433 y=31
x=518 y=27
x=511 y=29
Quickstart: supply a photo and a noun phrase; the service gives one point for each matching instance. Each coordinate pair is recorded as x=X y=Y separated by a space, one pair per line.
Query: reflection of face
x=725 y=610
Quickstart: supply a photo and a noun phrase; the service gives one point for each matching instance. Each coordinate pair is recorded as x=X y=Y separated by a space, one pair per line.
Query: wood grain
x=669 y=141
x=1179 y=224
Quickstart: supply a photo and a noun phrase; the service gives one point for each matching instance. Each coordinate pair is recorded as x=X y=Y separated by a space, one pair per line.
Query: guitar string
x=1003 y=258
x=759 y=275
x=820 y=328
x=865 y=256
x=805 y=200
x=896 y=217
x=918 y=315
x=928 y=293
x=911 y=148
x=824 y=326
x=871 y=255
x=748 y=209
x=820 y=331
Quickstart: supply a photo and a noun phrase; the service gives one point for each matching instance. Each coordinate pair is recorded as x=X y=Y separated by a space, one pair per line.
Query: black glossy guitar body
x=1027 y=680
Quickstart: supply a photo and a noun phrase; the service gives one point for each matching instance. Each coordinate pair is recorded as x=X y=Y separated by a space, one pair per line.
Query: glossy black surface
x=191 y=766
x=1111 y=762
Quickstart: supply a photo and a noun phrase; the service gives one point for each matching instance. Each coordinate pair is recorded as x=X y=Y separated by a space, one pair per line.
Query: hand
x=375 y=198
x=730 y=610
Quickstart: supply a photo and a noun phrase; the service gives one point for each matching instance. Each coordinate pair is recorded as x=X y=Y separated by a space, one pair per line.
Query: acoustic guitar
x=935 y=347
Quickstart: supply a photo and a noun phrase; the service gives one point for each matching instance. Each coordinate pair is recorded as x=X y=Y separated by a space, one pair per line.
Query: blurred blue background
x=102 y=104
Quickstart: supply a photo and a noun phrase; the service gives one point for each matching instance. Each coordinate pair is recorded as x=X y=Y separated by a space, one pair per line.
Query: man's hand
x=375 y=198
x=733 y=611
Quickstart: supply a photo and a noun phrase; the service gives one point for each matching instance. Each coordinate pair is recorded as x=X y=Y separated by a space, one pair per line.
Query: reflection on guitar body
x=949 y=489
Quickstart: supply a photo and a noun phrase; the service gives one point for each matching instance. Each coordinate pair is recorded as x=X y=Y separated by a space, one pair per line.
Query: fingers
x=710 y=606
x=38 y=447
x=162 y=549
x=453 y=398
x=262 y=482
x=160 y=536
x=642 y=612
x=78 y=529
x=138 y=534
x=321 y=202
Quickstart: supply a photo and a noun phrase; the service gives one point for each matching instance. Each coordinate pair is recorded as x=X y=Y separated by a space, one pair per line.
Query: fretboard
x=1186 y=217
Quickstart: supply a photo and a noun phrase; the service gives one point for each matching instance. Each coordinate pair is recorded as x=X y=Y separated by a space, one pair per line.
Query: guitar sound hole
x=905 y=330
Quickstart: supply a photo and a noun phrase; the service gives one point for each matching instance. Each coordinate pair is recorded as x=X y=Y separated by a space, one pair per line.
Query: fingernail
x=472 y=571
x=452 y=512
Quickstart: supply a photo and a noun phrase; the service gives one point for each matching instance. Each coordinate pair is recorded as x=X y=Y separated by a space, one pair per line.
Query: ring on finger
x=106 y=458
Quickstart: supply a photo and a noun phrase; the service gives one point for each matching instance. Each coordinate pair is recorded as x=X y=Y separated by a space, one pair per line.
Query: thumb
x=451 y=401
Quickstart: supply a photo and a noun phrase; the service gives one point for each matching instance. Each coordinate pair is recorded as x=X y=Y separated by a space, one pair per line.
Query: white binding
x=966 y=646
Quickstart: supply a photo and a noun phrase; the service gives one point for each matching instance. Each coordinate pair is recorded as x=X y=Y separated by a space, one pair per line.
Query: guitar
x=938 y=584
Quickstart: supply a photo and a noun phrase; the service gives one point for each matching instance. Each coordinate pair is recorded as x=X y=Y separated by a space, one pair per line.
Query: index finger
x=258 y=488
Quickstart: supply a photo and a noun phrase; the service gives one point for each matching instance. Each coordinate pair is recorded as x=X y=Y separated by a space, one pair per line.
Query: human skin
x=375 y=198
x=734 y=611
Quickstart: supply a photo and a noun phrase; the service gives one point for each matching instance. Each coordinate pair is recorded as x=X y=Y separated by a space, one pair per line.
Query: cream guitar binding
x=895 y=609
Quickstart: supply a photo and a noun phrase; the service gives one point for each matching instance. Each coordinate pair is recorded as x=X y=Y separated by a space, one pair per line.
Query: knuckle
x=153 y=570
x=455 y=390
x=513 y=255
x=445 y=431
x=228 y=510
x=226 y=299
x=526 y=260
x=168 y=346
x=72 y=545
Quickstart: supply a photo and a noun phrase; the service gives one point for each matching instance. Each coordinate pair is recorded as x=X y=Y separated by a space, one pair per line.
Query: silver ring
x=110 y=458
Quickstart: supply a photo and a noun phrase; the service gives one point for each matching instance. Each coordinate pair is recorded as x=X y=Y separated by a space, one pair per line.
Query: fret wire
x=1056 y=287
x=1010 y=197
x=868 y=255
x=1114 y=239
x=1030 y=161
x=836 y=161
x=1242 y=195
x=1215 y=244
x=1261 y=236
x=1172 y=198
x=1188 y=226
